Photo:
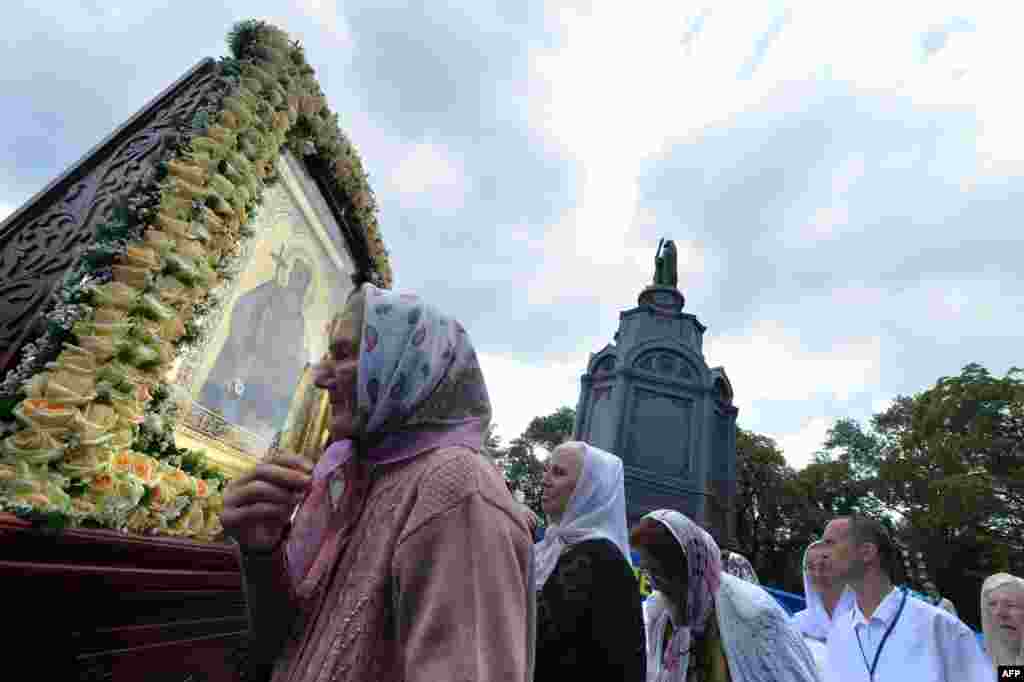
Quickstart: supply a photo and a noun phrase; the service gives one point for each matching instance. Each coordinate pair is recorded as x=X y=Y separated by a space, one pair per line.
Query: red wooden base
x=101 y=605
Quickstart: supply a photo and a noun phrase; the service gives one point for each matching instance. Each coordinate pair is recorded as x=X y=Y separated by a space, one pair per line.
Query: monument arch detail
x=667 y=360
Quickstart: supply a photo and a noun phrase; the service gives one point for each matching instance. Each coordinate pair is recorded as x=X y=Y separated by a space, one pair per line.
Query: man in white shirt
x=889 y=636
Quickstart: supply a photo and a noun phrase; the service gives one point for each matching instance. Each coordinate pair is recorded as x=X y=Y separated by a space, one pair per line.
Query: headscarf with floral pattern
x=704 y=575
x=753 y=632
x=418 y=388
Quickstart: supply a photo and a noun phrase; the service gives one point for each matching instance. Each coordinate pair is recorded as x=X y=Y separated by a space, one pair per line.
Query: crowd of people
x=401 y=555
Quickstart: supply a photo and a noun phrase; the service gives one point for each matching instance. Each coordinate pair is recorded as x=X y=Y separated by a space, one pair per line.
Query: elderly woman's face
x=561 y=472
x=336 y=374
x=1006 y=604
x=818 y=568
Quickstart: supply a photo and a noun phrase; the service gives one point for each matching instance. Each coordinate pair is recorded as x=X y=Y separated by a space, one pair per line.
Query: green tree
x=551 y=430
x=770 y=507
x=842 y=477
x=952 y=465
x=492 y=443
x=524 y=473
x=847 y=441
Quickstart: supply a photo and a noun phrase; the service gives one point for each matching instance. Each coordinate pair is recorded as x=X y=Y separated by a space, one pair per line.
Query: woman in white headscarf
x=1002 y=618
x=826 y=600
x=705 y=625
x=589 y=613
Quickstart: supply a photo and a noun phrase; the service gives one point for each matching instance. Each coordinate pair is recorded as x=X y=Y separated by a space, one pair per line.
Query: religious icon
x=255 y=373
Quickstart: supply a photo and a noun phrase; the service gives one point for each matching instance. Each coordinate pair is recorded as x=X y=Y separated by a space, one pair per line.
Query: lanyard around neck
x=888 y=631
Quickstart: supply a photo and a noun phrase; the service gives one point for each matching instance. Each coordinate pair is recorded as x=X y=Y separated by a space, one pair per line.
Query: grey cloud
x=933 y=41
x=936 y=38
x=67 y=86
x=737 y=188
x=695 y=26
x=448 y=72
x=763 y=43
x=457 y=80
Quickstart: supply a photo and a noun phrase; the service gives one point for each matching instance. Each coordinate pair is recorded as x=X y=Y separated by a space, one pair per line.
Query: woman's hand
x=259 y=505
x=531 y=517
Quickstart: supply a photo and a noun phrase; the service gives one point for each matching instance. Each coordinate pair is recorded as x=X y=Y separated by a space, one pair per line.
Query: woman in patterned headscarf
x=407 y=557
x=704 y=625
x=589 y=614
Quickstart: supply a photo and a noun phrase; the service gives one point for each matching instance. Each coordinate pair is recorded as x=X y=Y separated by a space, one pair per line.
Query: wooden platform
x=101 y=605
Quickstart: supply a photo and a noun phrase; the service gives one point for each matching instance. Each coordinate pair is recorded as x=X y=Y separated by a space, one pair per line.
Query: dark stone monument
x=652 y=399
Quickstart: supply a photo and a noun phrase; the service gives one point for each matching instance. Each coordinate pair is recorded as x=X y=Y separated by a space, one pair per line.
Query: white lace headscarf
x=596 y=510
x=814 y=620
x=760 y=643
x=1002 y=650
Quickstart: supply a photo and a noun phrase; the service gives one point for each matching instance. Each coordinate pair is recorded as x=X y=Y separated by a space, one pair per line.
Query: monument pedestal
x=652 y=400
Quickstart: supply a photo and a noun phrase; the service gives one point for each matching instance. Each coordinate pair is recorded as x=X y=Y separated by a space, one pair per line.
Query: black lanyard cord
x=888 y=631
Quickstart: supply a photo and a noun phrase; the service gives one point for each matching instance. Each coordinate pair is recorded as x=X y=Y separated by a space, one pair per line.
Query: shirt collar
x=885 y=612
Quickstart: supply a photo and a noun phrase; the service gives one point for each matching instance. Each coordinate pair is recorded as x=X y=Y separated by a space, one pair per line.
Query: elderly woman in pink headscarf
x=705 y=625
x=589 y=613
x=407 y=558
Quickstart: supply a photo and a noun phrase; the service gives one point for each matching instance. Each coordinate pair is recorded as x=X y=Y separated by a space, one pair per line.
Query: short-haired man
x=888 y=637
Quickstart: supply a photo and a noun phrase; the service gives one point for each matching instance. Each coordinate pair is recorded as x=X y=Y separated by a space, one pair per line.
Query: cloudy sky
x=843 y=180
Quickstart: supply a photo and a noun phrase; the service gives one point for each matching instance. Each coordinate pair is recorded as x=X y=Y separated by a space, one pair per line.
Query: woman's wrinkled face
x=1006 y=604
x=670 y=581
x=561 y=472
x=337 y=373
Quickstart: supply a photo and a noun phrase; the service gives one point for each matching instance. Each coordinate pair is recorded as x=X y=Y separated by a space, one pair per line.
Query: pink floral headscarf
x=759 y=643
x=704 y=576
x=419 y=388
x=703 y=564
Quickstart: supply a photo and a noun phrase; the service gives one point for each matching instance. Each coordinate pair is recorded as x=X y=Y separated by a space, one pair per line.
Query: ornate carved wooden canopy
x=40 y=241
